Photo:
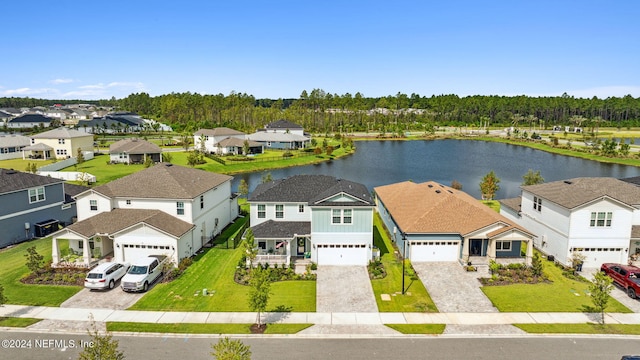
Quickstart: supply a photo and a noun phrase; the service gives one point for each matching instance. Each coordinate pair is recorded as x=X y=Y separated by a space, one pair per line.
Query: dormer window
x=537 y=203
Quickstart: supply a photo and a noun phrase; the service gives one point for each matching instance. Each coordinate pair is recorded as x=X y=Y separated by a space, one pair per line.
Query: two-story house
x=319 y=217
x=431 y=222
x=33 y=205
x=591 y=216
x=281 y=134
x=61 y=143
x=162 y=210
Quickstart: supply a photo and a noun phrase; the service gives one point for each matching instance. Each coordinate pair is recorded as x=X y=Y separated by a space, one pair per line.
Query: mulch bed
x=258 y=329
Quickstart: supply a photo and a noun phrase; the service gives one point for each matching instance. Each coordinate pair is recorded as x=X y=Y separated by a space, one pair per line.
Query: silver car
x=105 y=275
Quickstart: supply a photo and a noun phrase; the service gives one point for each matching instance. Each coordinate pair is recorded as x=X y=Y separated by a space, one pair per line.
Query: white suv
x=105 y=275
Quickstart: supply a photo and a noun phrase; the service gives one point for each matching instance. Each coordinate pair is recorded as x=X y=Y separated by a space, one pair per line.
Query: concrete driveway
x=102 y=299
x=344 y=289
x=452 y=289
x=617 y=293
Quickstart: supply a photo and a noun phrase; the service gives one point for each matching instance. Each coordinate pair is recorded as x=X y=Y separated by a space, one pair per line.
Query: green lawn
x=426 y=329
x=549 y=297
x=13 y=268
x=21 y=165
x=621 y=329
x=416 y=299
x=17 y=322
x=214 y=271
x=203 y=328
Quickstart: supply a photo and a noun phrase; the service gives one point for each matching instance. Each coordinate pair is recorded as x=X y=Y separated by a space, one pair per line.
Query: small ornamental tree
x=259 y=293
x=243 y=188
x=35 y=261
x=249 y=248
x=101 y=346
x=600 y=289
x=267 y=178
x=489 y=186
x=536 y=265
x=532 y=178
x=227 y=349
x=79 y=157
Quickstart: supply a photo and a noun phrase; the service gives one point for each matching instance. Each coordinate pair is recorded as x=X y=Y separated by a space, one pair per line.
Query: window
x=36 y=195
x=180 y=208
x=601 y=219
x=93 y=205
x=262 y=245
x=61 y=141
x=201 y=201
x=341 y=216
x=300 y=208
x=128 y=202
x=537 y=203
x=279 y=211
x=503 y=245
x=262 y=211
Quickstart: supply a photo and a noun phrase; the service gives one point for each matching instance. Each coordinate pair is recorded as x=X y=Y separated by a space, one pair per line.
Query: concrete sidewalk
x=372 y=318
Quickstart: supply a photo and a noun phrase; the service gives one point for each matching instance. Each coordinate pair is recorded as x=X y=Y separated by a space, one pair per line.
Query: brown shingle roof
x=578 y=191
x=230 y=141
x=512 y=203
x=60 y=133
x=134 y=146
x=434 y=208
x=163 y=181
x=119 y=219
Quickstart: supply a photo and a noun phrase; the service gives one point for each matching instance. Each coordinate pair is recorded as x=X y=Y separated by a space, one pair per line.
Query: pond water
x=378 y=163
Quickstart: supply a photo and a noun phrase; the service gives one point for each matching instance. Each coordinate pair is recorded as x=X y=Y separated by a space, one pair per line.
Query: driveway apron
x=344 y=289
x=452 y=289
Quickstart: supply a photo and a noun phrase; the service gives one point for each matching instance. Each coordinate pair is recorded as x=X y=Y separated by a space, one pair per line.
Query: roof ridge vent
x=430 y=185
x=568 y=182
x=438 y=191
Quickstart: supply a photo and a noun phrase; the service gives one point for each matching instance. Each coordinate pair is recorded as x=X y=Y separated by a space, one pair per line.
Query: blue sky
x=271 y=49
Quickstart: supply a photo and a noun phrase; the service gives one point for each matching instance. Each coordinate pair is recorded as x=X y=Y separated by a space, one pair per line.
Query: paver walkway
x=452 y=289
x=344 y=289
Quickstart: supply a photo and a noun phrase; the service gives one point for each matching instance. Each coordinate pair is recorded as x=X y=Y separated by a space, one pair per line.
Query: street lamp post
x=404 y=254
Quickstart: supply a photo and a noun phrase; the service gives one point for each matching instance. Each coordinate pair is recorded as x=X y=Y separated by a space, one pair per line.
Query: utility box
x=44 y=228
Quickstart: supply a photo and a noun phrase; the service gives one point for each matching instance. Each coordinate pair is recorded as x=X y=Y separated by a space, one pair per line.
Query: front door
x=475 y=247
x=301 y=245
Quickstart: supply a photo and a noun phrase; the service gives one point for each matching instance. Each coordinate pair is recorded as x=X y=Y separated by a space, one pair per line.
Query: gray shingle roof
x=281 y=229
x=31 y=118
x=12 y=180
x=311 y=189
x=578 y=191
x=134 y=146
x=219 y=131
x=512 y=203
x=14 y=141
x=276 y=137
x=283 y=124
x=119 y=219
x=163 y=181
x=230 y=141
x=37 y=147
x=61 y=133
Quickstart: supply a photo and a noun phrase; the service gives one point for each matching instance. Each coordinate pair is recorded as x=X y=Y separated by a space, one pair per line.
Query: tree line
x=320 y=111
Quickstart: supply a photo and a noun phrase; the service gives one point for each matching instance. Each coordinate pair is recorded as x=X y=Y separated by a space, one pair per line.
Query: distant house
x=162 y=210
x=319 y=217
x=56 y=113
x=224 y=141
x=596 y=217
x=33 y=205
x=11 y=146
x=134 y=151
x=112 y=123
x=61 y=142
x=29 y=121
x=4 y=117
x=281 y=134
x=431 y=222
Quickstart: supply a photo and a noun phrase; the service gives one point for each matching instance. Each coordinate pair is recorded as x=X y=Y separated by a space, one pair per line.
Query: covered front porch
x=509 y=248
x=81 y=251
x=276 y=252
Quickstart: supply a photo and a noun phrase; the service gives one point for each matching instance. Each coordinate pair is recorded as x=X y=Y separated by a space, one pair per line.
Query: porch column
x=465 y=250
x=86 y=256
x=55 y=251
x=529 y=255
x=491 y=250
x=288 y=252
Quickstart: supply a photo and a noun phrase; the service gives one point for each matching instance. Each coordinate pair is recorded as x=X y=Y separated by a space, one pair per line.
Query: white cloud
x=103 y=91
x=61 y=81
x=29 y=92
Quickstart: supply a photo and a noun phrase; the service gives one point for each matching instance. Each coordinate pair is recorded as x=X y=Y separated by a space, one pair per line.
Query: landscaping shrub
x=283 y=273
x=512 y=274
x=376 y=270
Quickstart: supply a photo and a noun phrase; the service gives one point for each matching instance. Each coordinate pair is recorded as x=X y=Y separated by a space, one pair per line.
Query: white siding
x=84 y=208
x=291 y=212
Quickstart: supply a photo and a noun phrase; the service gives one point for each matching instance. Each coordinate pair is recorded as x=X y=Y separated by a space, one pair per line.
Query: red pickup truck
x=627 y=276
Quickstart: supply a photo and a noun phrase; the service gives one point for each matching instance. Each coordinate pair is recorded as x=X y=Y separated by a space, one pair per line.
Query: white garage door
x=595 y=257
x=132 y=252
x=433 y=250
x=340 y=254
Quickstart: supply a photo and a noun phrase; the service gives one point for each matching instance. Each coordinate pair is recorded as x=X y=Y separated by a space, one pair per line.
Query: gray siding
x=19 y=201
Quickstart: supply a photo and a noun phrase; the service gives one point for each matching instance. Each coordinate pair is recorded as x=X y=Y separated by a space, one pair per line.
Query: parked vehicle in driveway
x=143 y=272
x=105 y=275
x=626 y=276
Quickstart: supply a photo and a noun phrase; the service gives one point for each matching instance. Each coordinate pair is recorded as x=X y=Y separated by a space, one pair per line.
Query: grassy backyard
x=214 y=270
x=416 y=299
x=13 y=269
x=561 y=295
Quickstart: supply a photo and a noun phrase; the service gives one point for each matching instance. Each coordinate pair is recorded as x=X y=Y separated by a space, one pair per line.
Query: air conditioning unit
x=551 y=258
